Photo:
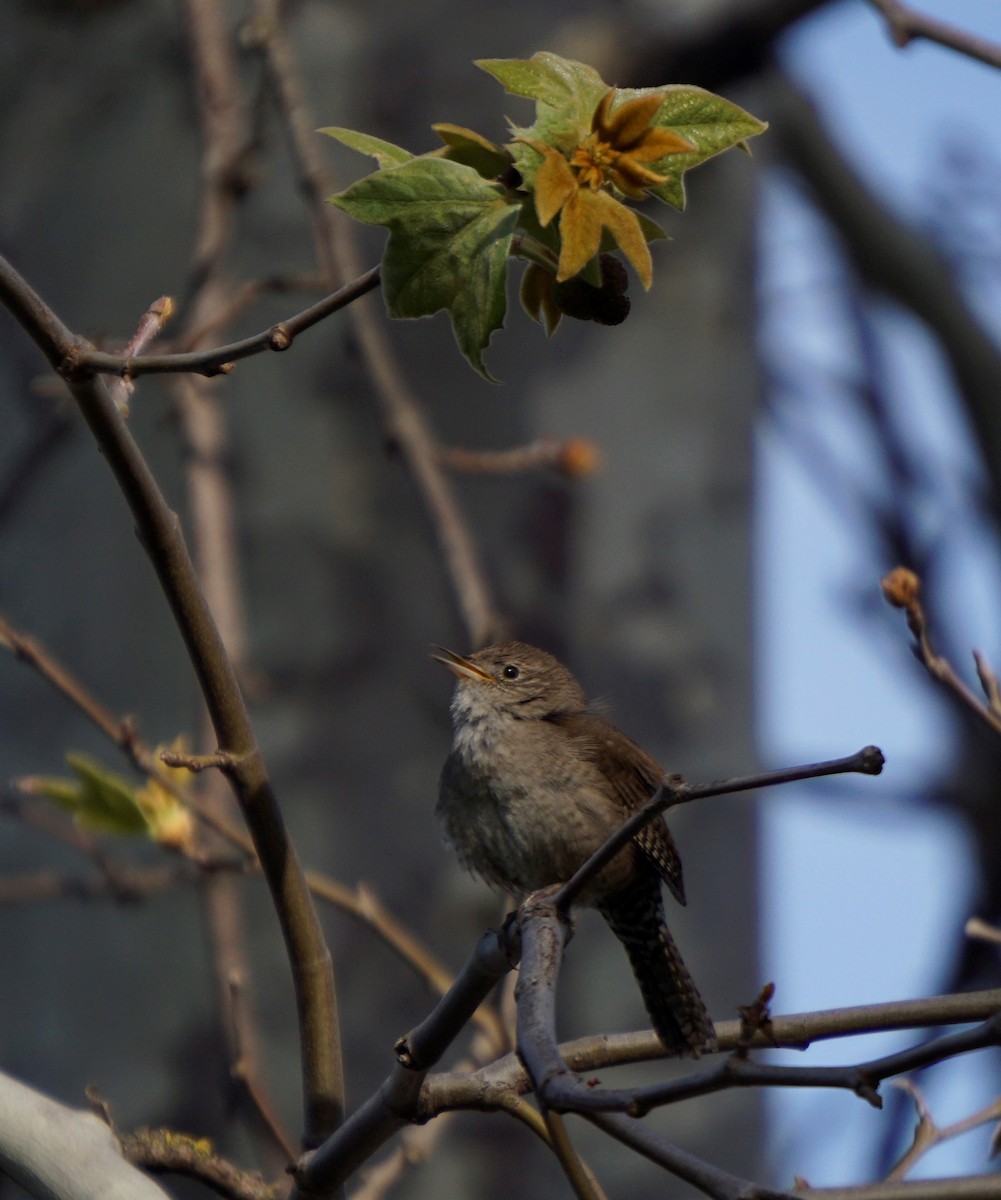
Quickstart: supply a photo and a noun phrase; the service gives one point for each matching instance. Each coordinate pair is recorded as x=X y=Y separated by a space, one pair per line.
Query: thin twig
x=406 y=423
x=164 y=1151
x=573 y=457
x=580 y=1178
x=161 y=535
x=149 y=327
x=674 y=791
x=245 y=1071
x=902 y=589
x=977 y=928
x=242 y=297
x=359 y=902
x=217 y=360
x=906 y=26
x=710 y=1180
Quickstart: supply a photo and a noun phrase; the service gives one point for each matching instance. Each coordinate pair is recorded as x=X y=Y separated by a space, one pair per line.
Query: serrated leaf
x=558 y=82
x=384 y=153
x=450 y=233
x=711 y=123
x=469 y=147
x=566 y=94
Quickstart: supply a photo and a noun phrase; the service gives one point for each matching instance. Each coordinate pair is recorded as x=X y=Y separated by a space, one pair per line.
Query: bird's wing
x=635 y=776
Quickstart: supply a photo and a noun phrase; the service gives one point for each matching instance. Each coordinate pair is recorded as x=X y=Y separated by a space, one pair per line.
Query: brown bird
x=534 y=783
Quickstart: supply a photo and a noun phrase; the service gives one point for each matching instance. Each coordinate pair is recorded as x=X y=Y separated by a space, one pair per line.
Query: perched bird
x=534 y=783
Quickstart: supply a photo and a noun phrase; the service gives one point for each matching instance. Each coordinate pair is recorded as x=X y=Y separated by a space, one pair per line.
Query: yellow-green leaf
x=97 y=798
x=384 y=153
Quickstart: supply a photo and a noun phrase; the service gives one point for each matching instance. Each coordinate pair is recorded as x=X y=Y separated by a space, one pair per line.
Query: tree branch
x=160 y=532
x=397 y=1100
x=406 y=423
x=674 y=791
x=217 y=360
x=896 y=260
x=906 y=26
x=69 y=1153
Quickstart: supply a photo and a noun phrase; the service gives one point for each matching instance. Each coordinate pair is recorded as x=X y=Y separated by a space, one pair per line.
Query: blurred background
x=806 y=398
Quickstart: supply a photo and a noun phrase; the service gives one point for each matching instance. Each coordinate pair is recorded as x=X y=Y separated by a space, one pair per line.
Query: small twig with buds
x=576 y=458
x=150 y=325
x=901 y=589
x=221 y=760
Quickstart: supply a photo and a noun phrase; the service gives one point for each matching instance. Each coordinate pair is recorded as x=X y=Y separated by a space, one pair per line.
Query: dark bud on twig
x=607 y=305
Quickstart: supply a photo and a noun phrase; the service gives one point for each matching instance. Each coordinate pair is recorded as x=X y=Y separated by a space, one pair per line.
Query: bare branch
x=52 y=1150
x=543 y=934
x=397 y=1101
x=149 y=327
x=406 y=424
x=581 y=1179
x=573 y=457
x=927 y=1134
x=163 y=1151
x=906 y=25
x=710 y=1180
x=161 y=536
x=901 y=589
x=218 y=360
x=674 y=791
x=796 y=1031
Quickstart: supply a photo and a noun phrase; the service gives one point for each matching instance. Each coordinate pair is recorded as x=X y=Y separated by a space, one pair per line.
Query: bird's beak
x=460 y=666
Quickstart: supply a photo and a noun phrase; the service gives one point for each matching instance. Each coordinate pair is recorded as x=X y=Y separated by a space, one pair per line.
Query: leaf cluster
x=458 y=214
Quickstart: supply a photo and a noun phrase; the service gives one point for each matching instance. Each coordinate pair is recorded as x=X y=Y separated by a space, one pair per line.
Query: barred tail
x=676 y=1009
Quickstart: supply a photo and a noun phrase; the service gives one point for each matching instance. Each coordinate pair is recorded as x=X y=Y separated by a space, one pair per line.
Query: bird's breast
x=519 y=807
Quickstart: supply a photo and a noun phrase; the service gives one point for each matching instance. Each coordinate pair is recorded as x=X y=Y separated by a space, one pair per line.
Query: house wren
x=535 y=783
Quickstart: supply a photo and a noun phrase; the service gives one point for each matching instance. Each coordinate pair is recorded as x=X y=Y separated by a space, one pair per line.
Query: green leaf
x=98 y=798
x=709 y=122
x=566 y=92
x=651 y=230
x=450 y=233
x=384 y=153
x=560 y=83
x=469 y=147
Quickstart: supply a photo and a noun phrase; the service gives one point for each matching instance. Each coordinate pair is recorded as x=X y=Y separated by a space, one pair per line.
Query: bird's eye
x=510 y=671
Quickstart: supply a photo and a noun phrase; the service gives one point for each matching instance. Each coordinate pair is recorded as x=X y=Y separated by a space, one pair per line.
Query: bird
x=534 y=782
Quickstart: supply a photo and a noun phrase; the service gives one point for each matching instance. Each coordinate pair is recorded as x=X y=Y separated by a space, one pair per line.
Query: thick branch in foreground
x=55 y=1151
